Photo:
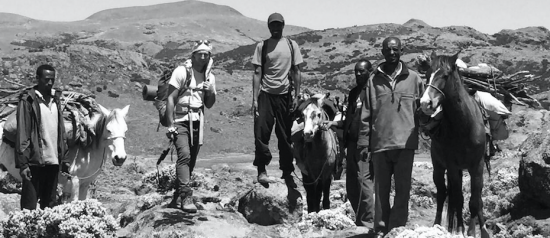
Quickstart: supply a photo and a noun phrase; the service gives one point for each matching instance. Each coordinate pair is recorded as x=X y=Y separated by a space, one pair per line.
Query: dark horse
x=317 y=150
x=459 y=144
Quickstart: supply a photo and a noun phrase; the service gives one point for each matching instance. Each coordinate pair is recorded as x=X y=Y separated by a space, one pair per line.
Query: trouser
x=273 y=110
x=360 y=184
x=187 y=154
x=398 y=163
x=42 y=186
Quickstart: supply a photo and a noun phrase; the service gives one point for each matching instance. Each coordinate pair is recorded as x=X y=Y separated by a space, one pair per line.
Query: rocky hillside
x=330 y=54
x=115 y=52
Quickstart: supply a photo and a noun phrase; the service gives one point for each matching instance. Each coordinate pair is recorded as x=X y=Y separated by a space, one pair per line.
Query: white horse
x=87 y=161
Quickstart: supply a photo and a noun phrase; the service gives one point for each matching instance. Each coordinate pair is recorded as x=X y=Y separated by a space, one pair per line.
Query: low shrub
x=77 y=219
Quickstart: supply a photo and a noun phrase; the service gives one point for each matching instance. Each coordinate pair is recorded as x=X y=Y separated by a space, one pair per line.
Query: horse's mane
x=463 y=105
x=454 y=86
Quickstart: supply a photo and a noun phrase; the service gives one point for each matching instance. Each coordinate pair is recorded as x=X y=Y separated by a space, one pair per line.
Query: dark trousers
x=398 y=163
x=273 y=110
x=187 y=154
x=43 y=187
x=360 y=184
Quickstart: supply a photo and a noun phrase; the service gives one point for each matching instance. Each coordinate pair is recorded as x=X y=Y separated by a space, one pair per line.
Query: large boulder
x=276 y=204
x=534 y=168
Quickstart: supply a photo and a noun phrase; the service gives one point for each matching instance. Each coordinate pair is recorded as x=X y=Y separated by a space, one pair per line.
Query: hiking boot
x=289 y=180
x=176 y=201
x=262 y=178
x=188 y=205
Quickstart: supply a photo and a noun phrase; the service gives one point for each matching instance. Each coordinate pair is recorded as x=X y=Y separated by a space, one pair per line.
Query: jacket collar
x=404 y=69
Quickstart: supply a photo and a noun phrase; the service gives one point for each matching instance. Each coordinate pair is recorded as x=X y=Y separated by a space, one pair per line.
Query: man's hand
x=294 y=104
x=207 y=86
x=325 y=125
x=26 y=174
x=254 y=108
x=172 y=132
x=65 y=167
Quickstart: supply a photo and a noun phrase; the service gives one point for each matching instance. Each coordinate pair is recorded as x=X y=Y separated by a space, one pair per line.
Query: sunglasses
x=200 y=42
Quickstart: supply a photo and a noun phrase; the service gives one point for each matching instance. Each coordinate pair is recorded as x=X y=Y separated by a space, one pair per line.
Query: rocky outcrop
x=276 y=204
x=534 y=168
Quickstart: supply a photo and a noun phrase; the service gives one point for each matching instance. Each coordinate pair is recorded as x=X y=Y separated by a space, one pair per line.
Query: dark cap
x=275 y=17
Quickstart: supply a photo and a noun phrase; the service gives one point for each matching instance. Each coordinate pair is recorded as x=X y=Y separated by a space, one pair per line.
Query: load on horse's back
x=316 y=150
x=459 y=145
x=94 y=134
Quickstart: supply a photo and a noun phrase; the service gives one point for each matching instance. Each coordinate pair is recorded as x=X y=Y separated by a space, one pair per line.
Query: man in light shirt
x=40 y=142
x=192 y=87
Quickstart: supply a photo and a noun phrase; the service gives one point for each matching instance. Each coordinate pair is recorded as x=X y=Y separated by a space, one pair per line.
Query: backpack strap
x=264 y=58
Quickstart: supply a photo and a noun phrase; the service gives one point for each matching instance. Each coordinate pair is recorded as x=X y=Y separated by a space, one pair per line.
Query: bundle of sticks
x=507 y=88
x=510 y=89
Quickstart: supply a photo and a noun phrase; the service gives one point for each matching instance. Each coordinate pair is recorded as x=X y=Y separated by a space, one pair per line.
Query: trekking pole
x=162 y=157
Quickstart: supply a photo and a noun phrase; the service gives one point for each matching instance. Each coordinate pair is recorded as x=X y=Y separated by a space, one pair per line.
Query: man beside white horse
x=26 y=140
x=40 y=144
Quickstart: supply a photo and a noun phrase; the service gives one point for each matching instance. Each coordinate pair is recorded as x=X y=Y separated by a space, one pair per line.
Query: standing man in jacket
x=40 y=143
x=276 y=74
x=389 y=130
x=359 y=167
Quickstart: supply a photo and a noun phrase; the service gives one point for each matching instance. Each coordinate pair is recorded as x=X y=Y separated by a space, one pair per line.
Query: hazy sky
x=488 y=16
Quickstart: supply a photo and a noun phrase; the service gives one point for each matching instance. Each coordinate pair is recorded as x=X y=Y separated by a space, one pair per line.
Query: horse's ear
x=433 y=55
x=454 y=58
x=124 y=110
x=104 y=110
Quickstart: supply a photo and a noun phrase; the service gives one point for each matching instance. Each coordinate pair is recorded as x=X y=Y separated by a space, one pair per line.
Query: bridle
x=434 y=87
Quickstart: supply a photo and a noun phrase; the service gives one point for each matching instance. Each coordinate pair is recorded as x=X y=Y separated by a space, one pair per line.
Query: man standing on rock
x=276 y=74
x=191 y=88
x=389 y=130
x=359 y=168
x=40 y=142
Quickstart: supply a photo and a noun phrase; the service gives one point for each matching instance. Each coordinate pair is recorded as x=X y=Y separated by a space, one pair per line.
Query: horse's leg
x=318 y=191
x=439 y=181
x=476 y=202
x=456 y=201
x=74 y=187
x=83 y=190
x=326 y=193
x=309 y=192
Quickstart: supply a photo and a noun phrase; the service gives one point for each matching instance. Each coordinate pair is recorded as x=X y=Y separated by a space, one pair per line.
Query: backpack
x=162 y=92
x=264 y=56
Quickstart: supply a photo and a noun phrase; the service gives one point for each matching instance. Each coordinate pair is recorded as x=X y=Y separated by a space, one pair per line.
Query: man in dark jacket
x=40 y=143
x=359 y=168
x=389 y=129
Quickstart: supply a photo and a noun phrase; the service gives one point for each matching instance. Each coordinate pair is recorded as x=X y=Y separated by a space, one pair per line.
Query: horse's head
x=442 y=69
x=114 y=133
x=313 y=115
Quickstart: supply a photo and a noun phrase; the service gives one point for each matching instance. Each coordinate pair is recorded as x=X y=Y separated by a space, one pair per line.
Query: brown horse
x=459 y=145
x=318 y=150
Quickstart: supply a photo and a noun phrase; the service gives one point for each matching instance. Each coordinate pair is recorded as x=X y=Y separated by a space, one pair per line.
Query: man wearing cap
x=192 y=87
x=276 y=74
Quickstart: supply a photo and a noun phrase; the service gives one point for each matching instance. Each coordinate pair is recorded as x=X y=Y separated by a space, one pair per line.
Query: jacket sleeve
x=365 y=126
x=23 y=137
